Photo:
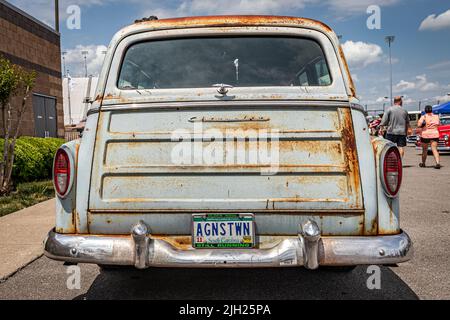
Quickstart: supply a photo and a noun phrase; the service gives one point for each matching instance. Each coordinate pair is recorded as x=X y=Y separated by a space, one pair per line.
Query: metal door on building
x=45 y=116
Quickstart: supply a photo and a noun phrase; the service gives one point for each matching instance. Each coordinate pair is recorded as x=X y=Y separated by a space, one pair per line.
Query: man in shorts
x=396 y=120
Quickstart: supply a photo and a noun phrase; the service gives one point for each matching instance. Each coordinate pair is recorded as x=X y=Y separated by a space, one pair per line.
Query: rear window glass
x=237 y=61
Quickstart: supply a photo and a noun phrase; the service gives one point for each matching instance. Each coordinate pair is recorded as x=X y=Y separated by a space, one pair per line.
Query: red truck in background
x=444 y=136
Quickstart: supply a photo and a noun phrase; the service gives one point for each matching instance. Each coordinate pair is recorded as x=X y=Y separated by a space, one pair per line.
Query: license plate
x=223 y=231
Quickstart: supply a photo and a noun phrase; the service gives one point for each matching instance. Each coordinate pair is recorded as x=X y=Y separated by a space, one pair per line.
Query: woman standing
x=430 y=134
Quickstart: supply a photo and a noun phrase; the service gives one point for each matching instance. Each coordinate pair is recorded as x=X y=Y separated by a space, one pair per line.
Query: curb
x=11 y=274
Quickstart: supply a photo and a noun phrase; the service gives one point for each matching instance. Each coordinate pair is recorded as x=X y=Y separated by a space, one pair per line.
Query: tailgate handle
x=245 y=119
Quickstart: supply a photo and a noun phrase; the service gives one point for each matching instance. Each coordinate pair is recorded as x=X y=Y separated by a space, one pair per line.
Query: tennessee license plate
x=223 y=231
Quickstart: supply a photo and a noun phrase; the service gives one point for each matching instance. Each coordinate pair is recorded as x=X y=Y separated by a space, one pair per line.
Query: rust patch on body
x=117 y=99
x=350 y=155
x=234 y=21
x=179 y=242
x=347 y=70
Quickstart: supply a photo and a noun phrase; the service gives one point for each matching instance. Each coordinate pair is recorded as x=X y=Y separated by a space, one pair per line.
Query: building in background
x=33 y=45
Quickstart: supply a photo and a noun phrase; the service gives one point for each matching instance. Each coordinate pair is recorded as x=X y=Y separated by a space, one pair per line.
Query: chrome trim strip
x=228 y=104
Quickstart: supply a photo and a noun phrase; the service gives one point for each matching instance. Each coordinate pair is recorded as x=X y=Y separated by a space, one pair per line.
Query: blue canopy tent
x=442 y=109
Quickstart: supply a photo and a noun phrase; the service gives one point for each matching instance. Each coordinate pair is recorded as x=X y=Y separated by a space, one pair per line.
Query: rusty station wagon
x=229 y=141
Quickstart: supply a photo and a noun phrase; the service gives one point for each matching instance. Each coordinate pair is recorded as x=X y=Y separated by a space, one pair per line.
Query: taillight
x=392 y=171
x=61 y=172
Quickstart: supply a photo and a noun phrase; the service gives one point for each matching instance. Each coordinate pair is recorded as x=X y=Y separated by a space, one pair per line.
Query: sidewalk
x=21 y=236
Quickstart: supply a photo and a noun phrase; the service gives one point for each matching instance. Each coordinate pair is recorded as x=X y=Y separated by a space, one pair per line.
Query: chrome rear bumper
x=308 y=249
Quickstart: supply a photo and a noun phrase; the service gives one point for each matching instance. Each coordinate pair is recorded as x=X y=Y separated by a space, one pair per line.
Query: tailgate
x=137 y=170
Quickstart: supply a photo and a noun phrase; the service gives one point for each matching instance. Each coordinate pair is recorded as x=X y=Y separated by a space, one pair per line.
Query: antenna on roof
x=151 y=18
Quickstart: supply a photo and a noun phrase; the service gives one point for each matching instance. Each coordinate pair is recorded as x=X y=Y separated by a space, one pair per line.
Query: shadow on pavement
x=244 y=284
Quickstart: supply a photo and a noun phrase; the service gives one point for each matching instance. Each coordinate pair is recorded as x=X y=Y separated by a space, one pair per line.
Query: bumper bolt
x=140 y=234
x=310 y=232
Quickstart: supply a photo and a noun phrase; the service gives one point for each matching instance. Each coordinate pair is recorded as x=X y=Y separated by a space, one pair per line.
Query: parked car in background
x=229 y=141
x=444 y=136
x=412 y=139
x=414 y=116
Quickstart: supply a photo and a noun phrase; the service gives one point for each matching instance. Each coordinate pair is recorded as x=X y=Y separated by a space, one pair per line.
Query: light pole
x=57 y=15
x=384 y=103
x=68 y=97
x=390 y=40
x=85 y=53
x=64 y=53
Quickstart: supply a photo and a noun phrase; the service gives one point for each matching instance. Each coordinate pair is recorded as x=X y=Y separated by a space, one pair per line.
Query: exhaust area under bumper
x=308 y=249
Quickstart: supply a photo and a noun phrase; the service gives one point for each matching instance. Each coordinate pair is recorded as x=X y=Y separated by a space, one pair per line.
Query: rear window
x=237 y=61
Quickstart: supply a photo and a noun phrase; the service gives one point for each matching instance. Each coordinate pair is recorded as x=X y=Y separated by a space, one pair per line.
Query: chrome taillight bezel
x=386 y=188
x=68 y=152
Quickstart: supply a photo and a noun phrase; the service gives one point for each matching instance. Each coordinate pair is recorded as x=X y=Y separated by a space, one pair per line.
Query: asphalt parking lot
x=425 y=207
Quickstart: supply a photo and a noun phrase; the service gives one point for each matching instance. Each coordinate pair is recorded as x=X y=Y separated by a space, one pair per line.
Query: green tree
x=15 y=82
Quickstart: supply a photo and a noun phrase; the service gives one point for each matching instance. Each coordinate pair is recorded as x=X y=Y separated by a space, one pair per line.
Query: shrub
x=33 y=158
x=26 y=195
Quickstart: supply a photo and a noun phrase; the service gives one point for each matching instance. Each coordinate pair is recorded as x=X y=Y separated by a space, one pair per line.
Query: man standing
x=396 y=120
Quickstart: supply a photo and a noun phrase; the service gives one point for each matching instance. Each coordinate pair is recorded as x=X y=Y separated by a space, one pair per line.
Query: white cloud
x=421 y=83
x=285 y=7
x=361 y=54
x=436 y=22
x=408 y=101
x=75 y=60
x=442 y=99
x=424 y=85
x=405 y=85
x=214 y=7
x=440 y=65
x=43 y=9
x=355 y=6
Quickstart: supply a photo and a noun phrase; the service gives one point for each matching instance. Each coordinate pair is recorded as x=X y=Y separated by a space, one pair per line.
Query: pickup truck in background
x=229 y=141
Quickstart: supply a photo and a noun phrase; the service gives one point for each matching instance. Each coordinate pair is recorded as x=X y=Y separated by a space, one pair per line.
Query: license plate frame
x=230 y=240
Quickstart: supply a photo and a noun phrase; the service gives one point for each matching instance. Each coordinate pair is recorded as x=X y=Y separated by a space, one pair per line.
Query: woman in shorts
x=430 y=134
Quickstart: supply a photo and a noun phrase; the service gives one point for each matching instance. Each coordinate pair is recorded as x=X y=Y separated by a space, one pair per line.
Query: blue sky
x=421 y=51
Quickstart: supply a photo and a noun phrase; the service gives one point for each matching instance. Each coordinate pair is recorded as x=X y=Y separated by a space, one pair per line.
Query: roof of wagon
x=227 y=21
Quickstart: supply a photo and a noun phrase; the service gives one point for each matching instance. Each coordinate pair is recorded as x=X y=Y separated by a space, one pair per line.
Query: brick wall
x=33 y=46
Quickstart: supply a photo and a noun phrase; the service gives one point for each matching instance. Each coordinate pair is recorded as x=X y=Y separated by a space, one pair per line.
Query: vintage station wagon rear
x=230 y=141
